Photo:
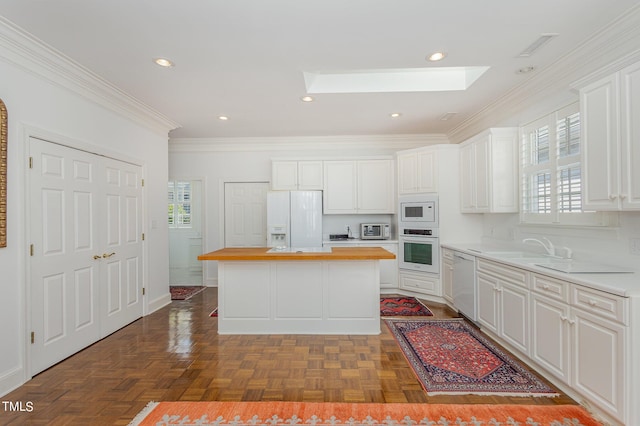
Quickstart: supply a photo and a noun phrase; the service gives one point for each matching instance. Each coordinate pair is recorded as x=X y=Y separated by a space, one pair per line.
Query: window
x=179 y=204
x=550 y=172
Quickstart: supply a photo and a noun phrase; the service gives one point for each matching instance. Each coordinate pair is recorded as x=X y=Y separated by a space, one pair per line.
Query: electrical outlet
x=634 y=246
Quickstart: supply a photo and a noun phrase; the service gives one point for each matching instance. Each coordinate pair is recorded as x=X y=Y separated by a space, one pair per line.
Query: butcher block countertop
x=261 y=253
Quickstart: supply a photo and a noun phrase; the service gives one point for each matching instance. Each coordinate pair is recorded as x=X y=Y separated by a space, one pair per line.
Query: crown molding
x=34 y=56
x=306 y=143
x=606 y=51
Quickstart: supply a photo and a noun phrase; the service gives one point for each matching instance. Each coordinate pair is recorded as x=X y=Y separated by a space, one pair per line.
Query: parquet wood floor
x=176 y=354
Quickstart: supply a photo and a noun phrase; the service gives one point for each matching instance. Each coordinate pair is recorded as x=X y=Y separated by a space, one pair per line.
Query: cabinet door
x=514 y=316
x=339 y=195
x=600 y=147
x=467 y=181
x=482 y=169
x=284 y=175
x=310 y=175
x=488 y=291
x=630 y=137
x=427 y=171
x=375 y=186
x=447 y=280
x=550 y=335
x=598 y=361
x=407 y=173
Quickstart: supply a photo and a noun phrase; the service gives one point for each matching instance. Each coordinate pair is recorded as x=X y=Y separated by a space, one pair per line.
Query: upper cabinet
x=489 y=172
x=296 y=175
x=358 y=186
x=417 y=171
x=609 y=110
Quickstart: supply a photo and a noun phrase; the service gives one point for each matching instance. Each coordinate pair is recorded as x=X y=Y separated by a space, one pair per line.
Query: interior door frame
x=27 y=133
x=203 y=214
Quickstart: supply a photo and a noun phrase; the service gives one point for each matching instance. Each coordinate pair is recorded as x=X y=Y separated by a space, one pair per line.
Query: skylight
x=439 y=79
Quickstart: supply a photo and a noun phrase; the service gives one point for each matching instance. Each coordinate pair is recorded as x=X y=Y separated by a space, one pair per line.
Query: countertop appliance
x=375 y=231
x=464 y=284
x=294 y=219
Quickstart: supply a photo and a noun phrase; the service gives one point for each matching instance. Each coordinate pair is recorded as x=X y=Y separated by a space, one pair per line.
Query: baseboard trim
x=159 y=303
x=12 y=380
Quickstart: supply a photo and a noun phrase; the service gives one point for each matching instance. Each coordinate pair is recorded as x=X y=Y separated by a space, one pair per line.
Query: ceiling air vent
x=533 y=47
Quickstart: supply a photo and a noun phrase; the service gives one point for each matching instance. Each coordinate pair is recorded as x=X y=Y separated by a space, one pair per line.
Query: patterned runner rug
x=452 y=357
x=403 y=306
x=184 y=292
x=328 y=413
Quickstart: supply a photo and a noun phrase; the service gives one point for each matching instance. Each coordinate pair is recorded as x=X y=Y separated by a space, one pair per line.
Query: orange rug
x=330 y=413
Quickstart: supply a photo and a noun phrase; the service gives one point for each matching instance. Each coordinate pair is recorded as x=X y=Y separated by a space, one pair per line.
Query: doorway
x=185 y=218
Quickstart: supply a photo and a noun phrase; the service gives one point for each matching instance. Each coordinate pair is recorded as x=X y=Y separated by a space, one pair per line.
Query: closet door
x=66 y=257
x=121 y=236
x=86 y=235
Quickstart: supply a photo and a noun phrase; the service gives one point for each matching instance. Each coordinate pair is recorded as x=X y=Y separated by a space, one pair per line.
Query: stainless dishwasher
x=464 y=284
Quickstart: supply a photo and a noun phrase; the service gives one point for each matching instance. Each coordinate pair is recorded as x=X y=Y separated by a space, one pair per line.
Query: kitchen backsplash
x=337 y=223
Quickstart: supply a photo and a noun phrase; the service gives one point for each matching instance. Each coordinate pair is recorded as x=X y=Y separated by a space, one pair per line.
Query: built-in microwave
x=375 y=231
x=421 y=210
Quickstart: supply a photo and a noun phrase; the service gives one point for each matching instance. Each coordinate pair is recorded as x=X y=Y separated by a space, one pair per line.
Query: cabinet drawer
x=514 y=275
x=600 y=303
x=550 y=287
x=420 y=284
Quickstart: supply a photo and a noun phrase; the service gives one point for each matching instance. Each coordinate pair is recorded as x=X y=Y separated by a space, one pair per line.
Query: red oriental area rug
x=337 y=413
x=184 y=292
x=452 y=357
x=402 y=306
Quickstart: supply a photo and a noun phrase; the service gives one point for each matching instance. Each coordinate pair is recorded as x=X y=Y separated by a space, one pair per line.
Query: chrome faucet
x=549 y=248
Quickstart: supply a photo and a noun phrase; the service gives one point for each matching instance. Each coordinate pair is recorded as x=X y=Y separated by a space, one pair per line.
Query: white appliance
x=464 y=284
x=419 y=249
x=420 y=210
x=375 y=231
x=294 y=219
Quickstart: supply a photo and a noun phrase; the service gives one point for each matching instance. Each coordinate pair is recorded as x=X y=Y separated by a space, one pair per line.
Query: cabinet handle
x=572 y=322
x=545 y=287
x=105 y=255
x=613 y=196
x=623 y=196
x=96 y=257
x=563 y=319
x=592 y=302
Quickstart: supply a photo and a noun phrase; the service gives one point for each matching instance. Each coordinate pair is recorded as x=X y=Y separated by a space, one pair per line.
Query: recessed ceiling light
x=306 y=99
x=223 y=117
x=525 y=70
x=437 y=56
x=163 y=62
x=395 y=115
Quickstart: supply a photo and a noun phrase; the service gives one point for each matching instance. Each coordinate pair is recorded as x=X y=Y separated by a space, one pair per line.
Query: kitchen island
x=299 y=291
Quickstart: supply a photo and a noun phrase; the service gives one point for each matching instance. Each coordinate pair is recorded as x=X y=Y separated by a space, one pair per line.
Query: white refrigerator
x=294 y=219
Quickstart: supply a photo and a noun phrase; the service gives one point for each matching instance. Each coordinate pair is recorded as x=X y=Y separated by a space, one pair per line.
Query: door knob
x=108 y=255
x=96 y=257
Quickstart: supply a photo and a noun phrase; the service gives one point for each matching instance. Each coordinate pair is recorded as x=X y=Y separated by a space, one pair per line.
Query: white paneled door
x=86 y=253
x=245 y=214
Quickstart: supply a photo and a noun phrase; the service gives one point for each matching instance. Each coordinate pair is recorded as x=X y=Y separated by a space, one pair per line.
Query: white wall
x=37 y=105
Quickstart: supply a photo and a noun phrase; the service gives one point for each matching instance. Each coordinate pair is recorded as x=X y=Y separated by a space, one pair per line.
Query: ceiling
x=246 y=59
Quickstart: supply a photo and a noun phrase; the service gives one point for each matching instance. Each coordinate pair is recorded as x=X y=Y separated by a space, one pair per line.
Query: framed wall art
x=3 y=174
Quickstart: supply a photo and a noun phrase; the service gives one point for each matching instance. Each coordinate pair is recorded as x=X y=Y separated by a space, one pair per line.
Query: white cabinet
x=503 y=302
x=489 y=172
x=358 y=186
x=611 y=141
x=418 y=171
x=388 y=267
x=447 y=275
x=296 y=175
x=419 y=282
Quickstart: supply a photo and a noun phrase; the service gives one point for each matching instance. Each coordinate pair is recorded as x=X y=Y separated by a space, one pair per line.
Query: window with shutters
x=179 y=204
x=551 y=173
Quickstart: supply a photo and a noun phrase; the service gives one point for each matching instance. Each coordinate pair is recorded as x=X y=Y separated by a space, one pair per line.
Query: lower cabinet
x=503 y=309
x=447 y=275
x=420 y=282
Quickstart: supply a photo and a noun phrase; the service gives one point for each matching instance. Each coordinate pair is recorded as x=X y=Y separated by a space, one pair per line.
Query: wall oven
x=419 y=249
